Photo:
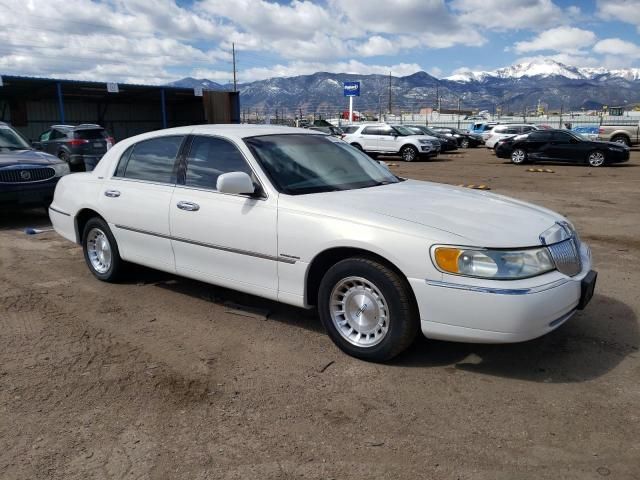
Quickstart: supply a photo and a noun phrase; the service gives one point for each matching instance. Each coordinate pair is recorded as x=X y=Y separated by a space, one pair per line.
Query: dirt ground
x=162 y=378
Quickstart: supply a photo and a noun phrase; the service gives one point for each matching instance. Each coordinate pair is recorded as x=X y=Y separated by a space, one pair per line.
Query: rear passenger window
x=151 y=160
x=348 y=130
x=210 y=157
x=371 y=131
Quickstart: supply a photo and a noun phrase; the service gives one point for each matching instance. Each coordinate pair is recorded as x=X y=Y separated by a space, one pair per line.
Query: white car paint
x=265 y=246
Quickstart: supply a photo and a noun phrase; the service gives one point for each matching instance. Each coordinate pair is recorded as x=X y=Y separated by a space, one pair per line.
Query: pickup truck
x=626 y=134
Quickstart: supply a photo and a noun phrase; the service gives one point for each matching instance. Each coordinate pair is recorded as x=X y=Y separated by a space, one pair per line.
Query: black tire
x=116 y=265
x=409 y=153
x=358 y=146
x=621 y=139
x=64 y=156
x=596 y=158
x=464 y=143
x=519 y=156
x=403 y=319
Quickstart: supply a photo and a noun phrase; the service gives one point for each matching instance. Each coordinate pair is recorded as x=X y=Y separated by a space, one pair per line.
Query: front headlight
x=61 y=169
x=426 y=142
x=494 y=264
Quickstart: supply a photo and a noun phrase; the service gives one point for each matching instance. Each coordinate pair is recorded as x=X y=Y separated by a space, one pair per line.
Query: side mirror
x=236 y=183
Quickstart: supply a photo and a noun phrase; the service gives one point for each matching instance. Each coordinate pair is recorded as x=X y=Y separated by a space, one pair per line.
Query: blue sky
x=157 y=42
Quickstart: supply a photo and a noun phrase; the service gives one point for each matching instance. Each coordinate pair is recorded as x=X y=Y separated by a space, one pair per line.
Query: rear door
x=135 y=201
x=369 y=138
x=56 y=141
x=537 y=145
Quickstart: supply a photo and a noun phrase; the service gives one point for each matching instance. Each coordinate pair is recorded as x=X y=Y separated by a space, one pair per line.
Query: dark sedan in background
x=560 y=146
x=448 y=143
x=27 y=177
x=464 y=139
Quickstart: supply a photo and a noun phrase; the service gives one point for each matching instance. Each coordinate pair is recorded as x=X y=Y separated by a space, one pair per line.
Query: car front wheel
x=518 y=156
x=101 y=251
x=367 y=309
x=464 y=143
x=409 y=153
x=596 y=158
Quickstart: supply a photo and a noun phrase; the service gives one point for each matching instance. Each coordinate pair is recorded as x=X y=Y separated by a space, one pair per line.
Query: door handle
x=112 y=193
x=188 y=206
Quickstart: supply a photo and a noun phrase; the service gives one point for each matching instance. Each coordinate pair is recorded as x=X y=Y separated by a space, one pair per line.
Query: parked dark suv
x=80 y=146
x=27 y=177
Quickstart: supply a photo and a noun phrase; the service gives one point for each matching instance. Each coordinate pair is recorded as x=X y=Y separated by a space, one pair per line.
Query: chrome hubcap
x=518 y=156
x=99 y=250
x=596 y=159
x=359 y=312
x=464 y=143
x=408 y=154
x=620 y=140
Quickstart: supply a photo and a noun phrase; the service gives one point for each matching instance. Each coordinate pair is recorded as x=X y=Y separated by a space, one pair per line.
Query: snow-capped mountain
x=543 y=69
x=512 y=88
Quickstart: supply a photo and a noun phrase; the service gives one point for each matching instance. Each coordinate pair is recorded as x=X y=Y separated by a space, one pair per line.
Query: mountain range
x=514 y=88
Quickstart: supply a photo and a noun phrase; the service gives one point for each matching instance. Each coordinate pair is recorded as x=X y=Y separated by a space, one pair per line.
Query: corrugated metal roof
x=94 y=82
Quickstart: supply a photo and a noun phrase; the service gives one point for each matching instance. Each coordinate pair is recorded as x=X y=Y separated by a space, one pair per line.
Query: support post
x=164 y=109
x=60 y=102
x=350 y=109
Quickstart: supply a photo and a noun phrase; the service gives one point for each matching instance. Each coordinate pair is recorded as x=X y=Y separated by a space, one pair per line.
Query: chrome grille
x=26 y=175
x=566 y=255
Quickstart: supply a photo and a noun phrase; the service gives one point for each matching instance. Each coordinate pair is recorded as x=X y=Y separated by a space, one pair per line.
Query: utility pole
x=233 y=50
x=389 y=93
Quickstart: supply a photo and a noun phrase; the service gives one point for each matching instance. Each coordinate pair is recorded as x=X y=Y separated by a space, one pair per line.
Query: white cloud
x=509 y=14
x=618 y=47
x=560 y=39
x=627 y=11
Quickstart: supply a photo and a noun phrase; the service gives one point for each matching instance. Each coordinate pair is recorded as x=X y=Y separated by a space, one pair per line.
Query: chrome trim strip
x=498 y=291
x=59 y=211
x=210 y=245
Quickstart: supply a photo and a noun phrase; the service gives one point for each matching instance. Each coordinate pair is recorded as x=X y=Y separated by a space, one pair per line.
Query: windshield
x=298 y=164
x=12 y=140
x=404 y=131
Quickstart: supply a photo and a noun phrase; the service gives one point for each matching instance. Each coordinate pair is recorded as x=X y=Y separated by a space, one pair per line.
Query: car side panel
x=304 y=236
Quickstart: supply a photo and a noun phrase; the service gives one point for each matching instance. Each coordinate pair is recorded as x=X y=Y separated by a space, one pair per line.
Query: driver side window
x=210 y=157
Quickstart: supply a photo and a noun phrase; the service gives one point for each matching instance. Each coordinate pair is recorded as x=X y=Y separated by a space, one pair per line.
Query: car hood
x=481 y=218
x=26 y=157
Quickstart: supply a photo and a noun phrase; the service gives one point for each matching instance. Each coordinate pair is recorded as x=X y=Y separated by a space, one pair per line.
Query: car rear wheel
x=518 y=156
x=101 y=251
x=596 y=158
x=409 y=153
x=621 y=139
x=367 y=310
x=464 y=143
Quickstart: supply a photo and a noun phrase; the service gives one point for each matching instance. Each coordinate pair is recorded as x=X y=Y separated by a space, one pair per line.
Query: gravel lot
x=167 y=378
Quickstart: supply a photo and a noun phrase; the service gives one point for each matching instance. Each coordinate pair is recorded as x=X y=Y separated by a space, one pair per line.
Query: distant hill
x=511 y=88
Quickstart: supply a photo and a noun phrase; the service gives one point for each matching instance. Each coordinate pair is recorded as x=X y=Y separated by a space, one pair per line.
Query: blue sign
x=351 y=89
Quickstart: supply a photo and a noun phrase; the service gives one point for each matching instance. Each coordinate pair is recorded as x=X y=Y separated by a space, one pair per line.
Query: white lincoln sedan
x=306 y=219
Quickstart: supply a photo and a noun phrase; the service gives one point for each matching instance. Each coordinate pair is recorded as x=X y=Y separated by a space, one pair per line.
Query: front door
x=370 y=138
x=135 y=201
x=388 y=140
x=229 y=240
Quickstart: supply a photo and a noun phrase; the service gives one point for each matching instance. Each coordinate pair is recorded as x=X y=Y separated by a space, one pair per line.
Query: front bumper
x=469 y=310
x=25 y=194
